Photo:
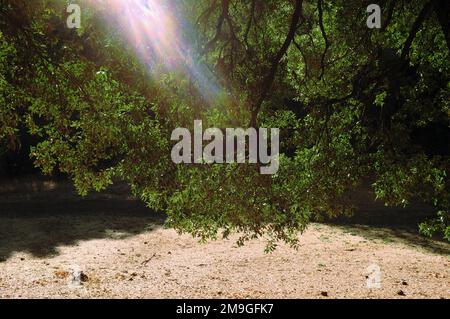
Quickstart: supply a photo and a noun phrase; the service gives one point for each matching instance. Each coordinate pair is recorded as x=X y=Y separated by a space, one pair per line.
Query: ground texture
x=123 y=251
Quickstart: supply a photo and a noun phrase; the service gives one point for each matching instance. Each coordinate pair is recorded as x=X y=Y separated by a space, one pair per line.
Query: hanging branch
x=222 y=17
x=442 y=10
x=250 y=22
x=415 y=28
x=325 y=37
x=269 y=79
x=305 y=61
x=389 y=15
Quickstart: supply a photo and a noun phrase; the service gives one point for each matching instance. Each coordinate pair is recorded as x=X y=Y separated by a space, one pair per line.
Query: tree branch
x=222 y=17
x=325 y=37
x=442 y=10
x=415 y=28
x=389 y=15
x=268 y=81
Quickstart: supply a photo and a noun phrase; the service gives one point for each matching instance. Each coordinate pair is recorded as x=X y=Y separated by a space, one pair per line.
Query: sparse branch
x=299 y=48
x=390 y=14
x=415 y=28
x=250 y=22
x=325 y=37
x=442 y=10
x=220 y=22
x=268 y=81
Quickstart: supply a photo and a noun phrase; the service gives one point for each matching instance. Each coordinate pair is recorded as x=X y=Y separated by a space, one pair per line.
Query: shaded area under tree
x=38 y=216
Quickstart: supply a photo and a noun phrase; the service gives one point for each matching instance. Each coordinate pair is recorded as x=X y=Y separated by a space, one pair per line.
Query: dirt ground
x=47 y=232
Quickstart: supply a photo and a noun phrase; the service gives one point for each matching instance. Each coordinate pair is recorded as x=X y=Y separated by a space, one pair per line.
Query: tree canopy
x=354 y=104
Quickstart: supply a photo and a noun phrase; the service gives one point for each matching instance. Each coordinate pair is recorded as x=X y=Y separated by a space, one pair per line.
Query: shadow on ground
x=374 y=221
x=45 y=219
x=38 y=217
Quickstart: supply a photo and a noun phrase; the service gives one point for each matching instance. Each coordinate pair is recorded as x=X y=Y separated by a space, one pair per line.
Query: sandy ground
x=126 y=253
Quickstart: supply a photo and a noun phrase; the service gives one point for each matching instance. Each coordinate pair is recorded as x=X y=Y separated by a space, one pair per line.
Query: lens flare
x=155 y=30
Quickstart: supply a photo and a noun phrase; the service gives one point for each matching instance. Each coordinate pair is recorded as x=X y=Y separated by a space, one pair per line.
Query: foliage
x=354 y=104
